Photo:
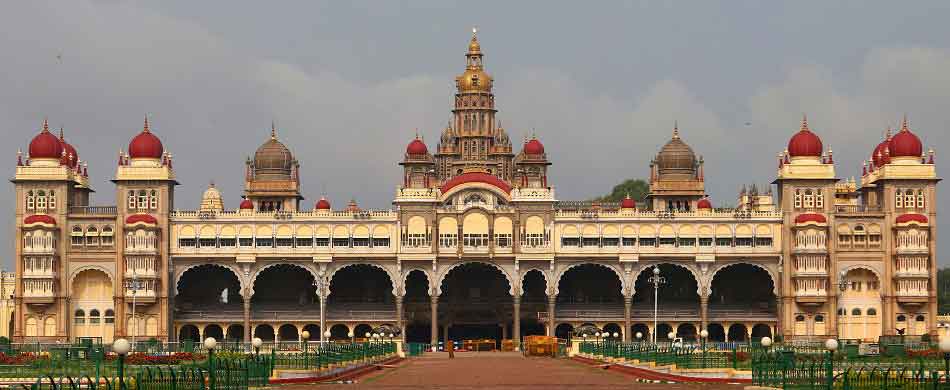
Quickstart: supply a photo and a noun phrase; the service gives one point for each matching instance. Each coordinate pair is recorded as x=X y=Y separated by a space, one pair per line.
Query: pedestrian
x=450 y=346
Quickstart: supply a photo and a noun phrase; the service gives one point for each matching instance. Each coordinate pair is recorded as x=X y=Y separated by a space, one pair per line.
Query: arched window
x=92 y=235
x=798 y=199
x=819 y=318
x=920 y=199
x=901 y=318
x=920 y=318
x=79 y=317
x=41 y=200
x=841 y=312
x=872 y=311
x=131 y=200
x=77 y=236
x=94 y=316
x=799 y=318
x=52 y=200
x=153 y=200
x=855 y=312
x=107 y=236
x=909 y=201
x=809 y=199
x=110 y=316
x=30 y=200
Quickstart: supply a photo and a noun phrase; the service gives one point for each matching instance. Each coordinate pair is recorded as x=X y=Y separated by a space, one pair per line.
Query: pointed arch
x=237 y=273
x=548 y=286
x=253 y=279
x=771 y=273
x=392 y=278
x=624 y=286
x=404 y=277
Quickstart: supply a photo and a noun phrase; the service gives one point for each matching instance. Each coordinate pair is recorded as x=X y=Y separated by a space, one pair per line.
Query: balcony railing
x=97 y=210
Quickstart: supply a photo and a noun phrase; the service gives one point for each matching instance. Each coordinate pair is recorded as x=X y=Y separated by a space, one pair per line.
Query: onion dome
x=273 y=160
x=322 y=204
x=417 y=147
x=146 y=144
x=70 y=156
x=246 y=204
x=911 y=218
x=676 y=159
x=533 y=147
x=881 y=153
x=143 y=219
x=38 y=220
x=211 y=199
x=628 y=203
x=810 y=218
x=805 y=143
x=704 y=204
x=905 y=143
x=45 y=145
x=474 y=79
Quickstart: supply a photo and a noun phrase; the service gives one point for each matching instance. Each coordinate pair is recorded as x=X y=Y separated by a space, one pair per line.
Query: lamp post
x=210 y=343
x=842 y=286
x=945 y=348
x=326 y=336
x=656 y=280
x=257 y=343
x=351 y=336
x=831 y=345
x=703 y=334
x=304 y=336
x=121 y=347
x=134 y=284
x=671 y=336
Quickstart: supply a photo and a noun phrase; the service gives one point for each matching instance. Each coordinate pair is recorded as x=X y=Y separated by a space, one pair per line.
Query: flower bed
x=174 y=358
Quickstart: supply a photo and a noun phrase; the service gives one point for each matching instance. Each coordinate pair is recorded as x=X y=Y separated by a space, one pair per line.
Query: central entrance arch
x=475 y=303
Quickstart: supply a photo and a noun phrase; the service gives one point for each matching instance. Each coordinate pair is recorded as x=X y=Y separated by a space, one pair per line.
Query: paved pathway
x=498 y=370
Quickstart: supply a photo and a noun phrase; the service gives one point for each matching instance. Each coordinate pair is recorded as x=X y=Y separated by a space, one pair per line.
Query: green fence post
x=735 y=357
x=830 y=370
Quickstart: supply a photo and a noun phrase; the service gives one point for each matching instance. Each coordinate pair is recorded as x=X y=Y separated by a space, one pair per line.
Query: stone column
x=516 y=321
x=247 y=320
x=434 y=305
x=323 y=317
x=399 y=321
x=551 y=320
x=704 y=312
x=627 y=309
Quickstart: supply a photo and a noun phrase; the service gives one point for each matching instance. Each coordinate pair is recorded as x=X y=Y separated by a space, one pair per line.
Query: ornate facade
x=476 y=244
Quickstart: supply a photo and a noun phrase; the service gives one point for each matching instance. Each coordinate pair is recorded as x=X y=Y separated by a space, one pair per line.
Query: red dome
x=533 y=147
x=45 y=145
x=324 y=204
x=704 y=203
x=246 y=204
x=146 y=145
x=810 y=217
x=69 y=151
x=417 y=148
x=912 y=217
x=476 y=177
x=804 y=144
x=39 y=218
x=628 y=203
x=881 y=155
x=905 y=143
x=141 y=218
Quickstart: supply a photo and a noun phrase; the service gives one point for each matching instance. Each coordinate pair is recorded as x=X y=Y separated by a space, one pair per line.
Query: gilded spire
x=676 y=129
x=45 y=125
x=473 y=46
x=145 y=127
x=61 y=136
x=804 y=123
x=273 y=131
x=904 y=124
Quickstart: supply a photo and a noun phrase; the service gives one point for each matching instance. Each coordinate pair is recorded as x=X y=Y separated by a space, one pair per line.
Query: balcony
x=39 y=291
x=914 y=297
x=39 y=273
x=811 y=297
x=858 y=210
x=94 y=210
x=911 y=273
x=810 y=272
x=39 y=250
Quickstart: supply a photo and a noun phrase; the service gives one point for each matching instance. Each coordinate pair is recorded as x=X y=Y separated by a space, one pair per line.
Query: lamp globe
x=121 y=346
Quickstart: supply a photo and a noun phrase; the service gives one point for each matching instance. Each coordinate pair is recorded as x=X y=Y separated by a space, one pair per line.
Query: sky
x=348 y=84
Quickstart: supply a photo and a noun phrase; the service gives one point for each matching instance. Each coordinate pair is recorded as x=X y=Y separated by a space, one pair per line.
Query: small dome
x=322 y=204
x=273 y=160
x=881 y=153
x=246 y=204
x=906 y=143
x=211 y=200
x=68 y=150
x=146 y=144
x=628 y=203
x=805 y=143
x=676 y=159
x=704 y=204
x=534 y=147
x=417 y=148
x=45 y=145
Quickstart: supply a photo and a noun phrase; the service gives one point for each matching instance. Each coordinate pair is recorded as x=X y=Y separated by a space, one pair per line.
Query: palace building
x=476 y=245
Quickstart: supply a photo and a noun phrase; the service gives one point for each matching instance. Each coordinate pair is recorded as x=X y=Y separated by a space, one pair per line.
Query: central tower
x=473 y=139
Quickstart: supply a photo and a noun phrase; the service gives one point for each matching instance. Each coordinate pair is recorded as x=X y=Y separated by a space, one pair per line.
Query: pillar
x=516 y=321
x=551 y=320
x=247 y=320
x=504 y=330
x=704 y=312
x=434 y=306
x=627 y=309
x=323 y=317
x=399 y=321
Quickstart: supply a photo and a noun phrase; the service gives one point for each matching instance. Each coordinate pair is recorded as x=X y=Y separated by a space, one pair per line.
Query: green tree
x=636 y=188
x=943 y=291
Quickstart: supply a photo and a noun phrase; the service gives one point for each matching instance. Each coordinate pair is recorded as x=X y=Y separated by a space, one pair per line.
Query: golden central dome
x=474 y=80
x=211 y=200
x=676 y=159
x=273 y=160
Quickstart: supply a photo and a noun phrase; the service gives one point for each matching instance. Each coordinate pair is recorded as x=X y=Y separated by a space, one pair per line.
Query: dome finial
x=904 y=123
x=804 y=122
x=273 y=130
x=45 y=124
x=61 y=135
x=145 y=127
x=676 y=129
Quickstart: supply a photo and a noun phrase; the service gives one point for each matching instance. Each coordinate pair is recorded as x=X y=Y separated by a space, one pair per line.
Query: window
x=920 y=318
x=416 y=240
x=246 y=241
x=611 y=241
x=285 y=242
x=855 y=312
x=503 y=240
x=667 y=241
x=819 y=318
x=705 y=241
x=899 y=200
x=920 y=199
x=799 y=318
x=264 y=242
x=226 y=242
x=909 y=199
x=41 y=200
x=381 y=242
x=448 y=239
x=143 y=200
x=207 y=242
x=648 y=242
x=819 y=199
x=92 y=236
x=590 y=241
x=107 y=236
x=361 y=242
x=94 y=316
x=723 y=241
x=570 y=241
x=744 y=241
x=687 y=242
x=52 y=200
x=475 y=240
x=533 y=240
x=110 y=316
x=872 y=311
x=763 y=241
x=153 y=200
x=901 y=318
x=303 y=242
x=798 y=199
x=30 y=200
x=321 y=241
x=809 y=199
x=629 y=241
x=79 y=317
x=187 y=242
x=77 y=236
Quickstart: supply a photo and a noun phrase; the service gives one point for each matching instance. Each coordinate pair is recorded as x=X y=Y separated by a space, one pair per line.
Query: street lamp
x=326 y=335
x=703 y=334
x=257 y=343
x=351 y=336
x=842 y=286
x=210 y=343
x=639 y=336
x=121 y=347
x=656 y=280
x=945 y=348
x=134 y=284
x=305 y=336
x=831 y=345
x=671 y=336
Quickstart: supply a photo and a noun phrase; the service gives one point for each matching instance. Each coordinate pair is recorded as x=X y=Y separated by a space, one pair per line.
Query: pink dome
x=805 y=143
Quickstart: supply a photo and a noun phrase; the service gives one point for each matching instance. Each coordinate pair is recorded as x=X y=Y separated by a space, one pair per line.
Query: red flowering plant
x=20 y=358
x=146 y=359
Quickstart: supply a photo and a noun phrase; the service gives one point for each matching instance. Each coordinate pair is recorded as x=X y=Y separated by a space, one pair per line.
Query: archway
x=533 y=300
x=264 y=332
x=663 y=331
x=339 y=332
x=476 y=297
x=361 y=285
x=716 y=332
x=92 y=295
x=742 y=288
x=613 y=328
x=189 y=333
x=761 y=330
x=737 y=332
x=361 y=330
x=416 y=305
x=235 y=333
x=215 y=331
x=287 y=288
x=687 y=331
x=209 y=288
x=642 y=329
x=564 y=331
x=861 y=299
x=314 y=331
x=677 y=297
x=589 y=285
x=287 y=332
